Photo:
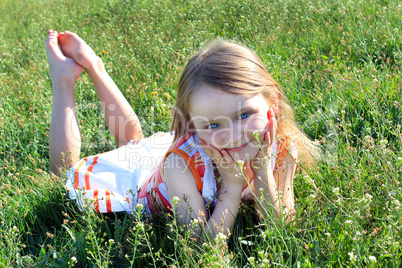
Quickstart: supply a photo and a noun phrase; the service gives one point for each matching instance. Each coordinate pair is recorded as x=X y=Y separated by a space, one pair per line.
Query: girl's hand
x=227 y=166
x=260 y=162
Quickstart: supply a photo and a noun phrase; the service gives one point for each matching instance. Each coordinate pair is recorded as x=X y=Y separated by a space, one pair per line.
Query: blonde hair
x=233 y=68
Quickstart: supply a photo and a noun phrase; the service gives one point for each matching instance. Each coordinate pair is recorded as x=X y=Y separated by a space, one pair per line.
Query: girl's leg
x=64 y=137
x=119 y=115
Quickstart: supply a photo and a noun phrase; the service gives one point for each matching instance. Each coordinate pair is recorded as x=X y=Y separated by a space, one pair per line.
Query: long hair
x=234 y=69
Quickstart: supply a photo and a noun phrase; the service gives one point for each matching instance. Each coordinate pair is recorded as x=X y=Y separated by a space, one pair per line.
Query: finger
x=247 y=165
x=274 y=120
x=271 y=120
x=227 y=160
x=272 y=125
x=269 y=114
x=268 y=140
x=210 y=150
x=226 y=155
x=272 y=137
x=272 y=129
x=266 y=143
x=203 y=144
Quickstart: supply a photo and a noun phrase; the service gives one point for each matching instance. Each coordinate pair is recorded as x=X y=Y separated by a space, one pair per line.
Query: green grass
x=339 y=63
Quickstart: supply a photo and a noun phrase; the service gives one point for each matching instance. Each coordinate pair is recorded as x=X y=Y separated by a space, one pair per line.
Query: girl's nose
x=231 y=136
x=236 y=134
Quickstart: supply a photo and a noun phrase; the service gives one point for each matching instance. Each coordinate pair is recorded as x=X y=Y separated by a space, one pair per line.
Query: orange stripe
x=190 y=163
x=108 y=201
x=96 y=203
x=87 y=185
x=160 y=134
x=76 y=172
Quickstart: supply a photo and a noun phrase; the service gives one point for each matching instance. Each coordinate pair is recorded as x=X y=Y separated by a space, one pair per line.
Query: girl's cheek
x=257 y=124
x=216 y=139
x=205 y=136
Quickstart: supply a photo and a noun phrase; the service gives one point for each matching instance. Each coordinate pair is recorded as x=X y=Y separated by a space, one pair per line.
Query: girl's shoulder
x=188 y=150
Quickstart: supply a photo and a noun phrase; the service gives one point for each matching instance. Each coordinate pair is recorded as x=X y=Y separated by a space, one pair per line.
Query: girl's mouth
x=236 y=149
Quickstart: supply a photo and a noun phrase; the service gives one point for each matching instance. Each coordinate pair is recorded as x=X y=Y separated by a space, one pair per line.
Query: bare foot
x=62 y=68
x=76 y=48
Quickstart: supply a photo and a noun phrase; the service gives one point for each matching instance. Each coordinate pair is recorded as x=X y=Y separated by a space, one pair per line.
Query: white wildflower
x=395 y=202
x=311 y=198
x=352 y=257
x=357 y=213
x=373 y=259
x=265 y=263
x=175 y=199
x=251 y=259
x=336 y=191
x=368 y=197
x=195 y=222
x=383 y=142
x=221 y=237
x=256 y=134
x=73 y=259
x=140 y=226
x=240 y=163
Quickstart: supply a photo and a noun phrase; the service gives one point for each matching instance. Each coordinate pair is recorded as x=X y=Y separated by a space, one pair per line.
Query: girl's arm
x=277 y=187
x=181 y=183
x=274 y=189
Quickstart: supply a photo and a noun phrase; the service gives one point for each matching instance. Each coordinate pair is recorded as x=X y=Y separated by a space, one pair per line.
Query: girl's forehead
x=211 y=103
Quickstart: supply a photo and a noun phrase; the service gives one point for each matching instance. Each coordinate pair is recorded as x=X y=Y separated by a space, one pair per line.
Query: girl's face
x=228 y=121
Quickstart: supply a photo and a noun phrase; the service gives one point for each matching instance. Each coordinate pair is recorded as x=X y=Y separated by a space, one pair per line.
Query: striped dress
x=120 y=179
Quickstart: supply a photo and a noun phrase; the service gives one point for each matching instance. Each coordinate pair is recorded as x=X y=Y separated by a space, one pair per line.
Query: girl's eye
x=244 y=115
x=213 y=125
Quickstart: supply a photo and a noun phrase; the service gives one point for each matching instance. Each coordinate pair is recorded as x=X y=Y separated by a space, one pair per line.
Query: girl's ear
x=275 y=103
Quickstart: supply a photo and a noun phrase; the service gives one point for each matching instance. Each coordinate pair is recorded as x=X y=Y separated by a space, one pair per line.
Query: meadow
x=339 y=63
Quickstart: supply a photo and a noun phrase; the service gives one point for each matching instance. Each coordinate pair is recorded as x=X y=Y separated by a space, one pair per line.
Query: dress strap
x=190 y=163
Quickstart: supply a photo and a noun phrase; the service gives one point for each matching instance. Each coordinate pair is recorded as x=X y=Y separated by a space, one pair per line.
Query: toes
x=52 y=45
x=51 y=38
x=67 y=36
x=61 y=37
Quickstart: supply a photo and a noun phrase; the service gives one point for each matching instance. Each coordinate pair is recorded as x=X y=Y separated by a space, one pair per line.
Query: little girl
x=233 y=136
